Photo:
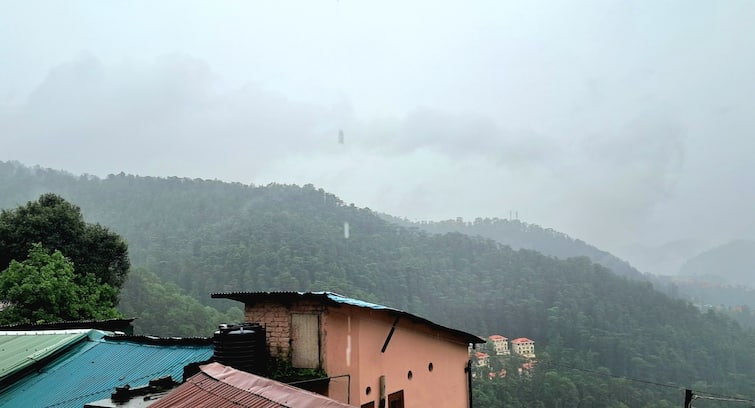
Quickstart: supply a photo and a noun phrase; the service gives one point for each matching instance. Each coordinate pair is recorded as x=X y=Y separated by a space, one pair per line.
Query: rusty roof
x=220 y=386
x=334 y=299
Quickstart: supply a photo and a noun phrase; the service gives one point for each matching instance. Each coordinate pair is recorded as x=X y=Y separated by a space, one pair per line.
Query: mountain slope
x=517 y=234
x=733 y=262
x=207 y=236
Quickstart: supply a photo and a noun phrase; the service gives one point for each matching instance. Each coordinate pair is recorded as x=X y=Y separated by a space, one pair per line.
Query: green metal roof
x=21 y=349
x=90 y=370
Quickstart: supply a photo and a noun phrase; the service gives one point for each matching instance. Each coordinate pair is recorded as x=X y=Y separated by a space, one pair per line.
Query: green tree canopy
x=58 y=225
x=44 y=288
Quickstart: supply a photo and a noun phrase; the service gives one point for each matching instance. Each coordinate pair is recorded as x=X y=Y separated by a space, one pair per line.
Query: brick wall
x=276 y=318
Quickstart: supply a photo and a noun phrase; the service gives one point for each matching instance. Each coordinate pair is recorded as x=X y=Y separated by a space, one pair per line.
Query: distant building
x=527 y=368
x=523 y=347
x=483 y=359
x=374 y=356
x=500 y=345
x=501 y=374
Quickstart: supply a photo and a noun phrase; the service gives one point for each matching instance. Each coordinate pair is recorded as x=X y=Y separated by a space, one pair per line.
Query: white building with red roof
x=500 y=345
x=523 y=347
x=483 y=359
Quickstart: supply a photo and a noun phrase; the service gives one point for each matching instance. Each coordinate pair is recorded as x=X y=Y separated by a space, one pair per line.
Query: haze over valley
x=625 y=125
x=578 y=173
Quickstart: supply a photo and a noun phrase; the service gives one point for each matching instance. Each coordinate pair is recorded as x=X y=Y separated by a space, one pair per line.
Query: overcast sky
x=617 y=122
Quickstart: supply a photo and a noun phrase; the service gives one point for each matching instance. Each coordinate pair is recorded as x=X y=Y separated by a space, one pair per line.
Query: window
x=370 y=404
x=396 y=400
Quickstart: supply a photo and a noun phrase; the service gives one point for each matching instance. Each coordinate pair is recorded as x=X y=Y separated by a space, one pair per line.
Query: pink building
x=372 y=353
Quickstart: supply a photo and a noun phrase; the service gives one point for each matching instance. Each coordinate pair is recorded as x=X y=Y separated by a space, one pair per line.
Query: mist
x=619 y=123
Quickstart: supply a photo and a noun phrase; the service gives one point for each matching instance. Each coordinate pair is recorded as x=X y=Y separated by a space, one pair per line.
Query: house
x=523 y=347
x=76 y=368
x=217 y=385
x=500 y=345
x=483 y=359
x=374 y=356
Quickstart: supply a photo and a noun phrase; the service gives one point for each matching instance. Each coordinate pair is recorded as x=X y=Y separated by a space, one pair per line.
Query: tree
x=57 y=224
x=44 y=288
x=164 y=310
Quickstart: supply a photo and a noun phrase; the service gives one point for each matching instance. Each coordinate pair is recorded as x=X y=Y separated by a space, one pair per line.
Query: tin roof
x=92 y=369
x=219 y=386
x=19 y=350
x=111 y=325
x=334 y=299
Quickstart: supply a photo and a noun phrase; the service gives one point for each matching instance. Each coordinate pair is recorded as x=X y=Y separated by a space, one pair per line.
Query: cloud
x=171 y=113
x=175 y=116
x=457 y=136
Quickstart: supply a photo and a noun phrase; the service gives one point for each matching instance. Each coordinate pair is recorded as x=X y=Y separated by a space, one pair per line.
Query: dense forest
x=602 y=339
x=518 y=235
x=716 y=279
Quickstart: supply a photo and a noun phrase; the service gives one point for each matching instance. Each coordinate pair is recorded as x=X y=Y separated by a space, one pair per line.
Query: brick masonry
x=276 y=318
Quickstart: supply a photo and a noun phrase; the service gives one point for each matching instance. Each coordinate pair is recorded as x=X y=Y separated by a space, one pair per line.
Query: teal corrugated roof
x=92 y=370
x=21 y=349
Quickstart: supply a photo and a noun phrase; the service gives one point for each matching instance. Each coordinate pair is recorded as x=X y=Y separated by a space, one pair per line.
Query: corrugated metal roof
x=336 y=299
x=111 y=325
x=21 y=349
x=92 y=370
x=219 y=386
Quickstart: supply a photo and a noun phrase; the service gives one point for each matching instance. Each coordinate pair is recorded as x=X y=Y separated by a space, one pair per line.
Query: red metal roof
x=522 y=340
x=219 y=386
x=497 y=337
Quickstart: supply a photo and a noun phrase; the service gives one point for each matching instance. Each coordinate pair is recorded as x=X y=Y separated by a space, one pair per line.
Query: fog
x=625 y=124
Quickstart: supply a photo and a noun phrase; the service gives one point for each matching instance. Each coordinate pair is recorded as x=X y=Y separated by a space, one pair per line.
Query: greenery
x=282 y=370
x=44 y=288
x=163 y=309
x=57 y=224
x=595 y=331
x=518 y=234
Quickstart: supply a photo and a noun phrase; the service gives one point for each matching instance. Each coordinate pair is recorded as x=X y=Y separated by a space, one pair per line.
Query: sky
x=626 y=124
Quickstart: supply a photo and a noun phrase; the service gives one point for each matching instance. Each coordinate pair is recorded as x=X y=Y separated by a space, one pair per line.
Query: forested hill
x=589 y=324
x=518 y=234
x=732 y=263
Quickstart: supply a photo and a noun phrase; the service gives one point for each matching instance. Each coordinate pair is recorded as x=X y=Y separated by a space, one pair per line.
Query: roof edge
x=336 y=299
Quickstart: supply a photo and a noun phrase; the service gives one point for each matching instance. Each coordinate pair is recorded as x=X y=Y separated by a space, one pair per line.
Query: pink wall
x=351 y=340
x=411 y=348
